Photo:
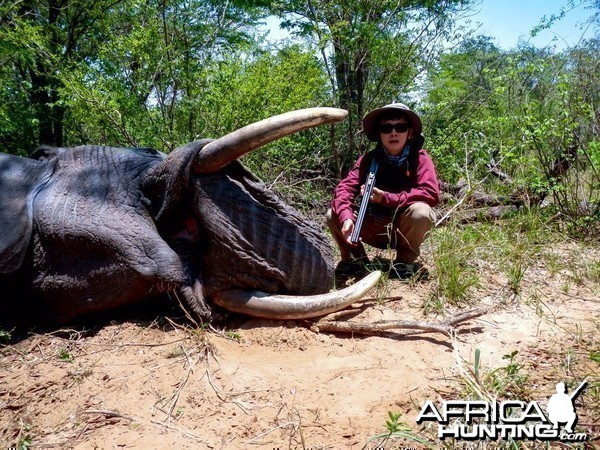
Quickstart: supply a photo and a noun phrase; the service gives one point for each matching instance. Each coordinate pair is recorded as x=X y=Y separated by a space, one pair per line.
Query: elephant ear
x=20 y=180
x=168 y=185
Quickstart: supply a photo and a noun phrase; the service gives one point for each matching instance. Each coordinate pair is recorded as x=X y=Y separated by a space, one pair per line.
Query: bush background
x=160 y=73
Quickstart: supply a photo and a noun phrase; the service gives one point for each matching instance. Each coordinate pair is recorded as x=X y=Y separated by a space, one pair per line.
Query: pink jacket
x=414 y=181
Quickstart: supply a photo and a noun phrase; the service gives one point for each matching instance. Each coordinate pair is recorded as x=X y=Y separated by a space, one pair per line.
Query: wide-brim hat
x=371 y=120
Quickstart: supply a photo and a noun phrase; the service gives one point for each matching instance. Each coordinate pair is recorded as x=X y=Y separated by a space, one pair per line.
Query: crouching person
x=400 y=213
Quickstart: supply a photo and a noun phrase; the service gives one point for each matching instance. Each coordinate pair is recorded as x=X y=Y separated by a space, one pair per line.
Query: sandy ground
x=139 y=383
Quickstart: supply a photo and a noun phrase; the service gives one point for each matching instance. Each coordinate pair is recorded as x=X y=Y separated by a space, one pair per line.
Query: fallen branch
x=580 y=298
x=468 y=196
x=109 y=413
x=384 y=326
x=503 y=176
x=484 y=214
x=285 y=425
x=228 y=397
x=447 y=215
x=177 y=393
x=185 y=433
x=492 y=206
x=487 y=207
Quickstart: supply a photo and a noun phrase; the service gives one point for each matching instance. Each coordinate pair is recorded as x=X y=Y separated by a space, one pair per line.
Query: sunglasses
x=387 y=128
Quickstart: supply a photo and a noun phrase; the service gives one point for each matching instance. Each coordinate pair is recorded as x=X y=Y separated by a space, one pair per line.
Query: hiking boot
x=351 y=267
x=405 y=271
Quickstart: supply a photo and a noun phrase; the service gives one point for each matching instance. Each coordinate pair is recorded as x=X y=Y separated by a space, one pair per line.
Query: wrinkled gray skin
x=89 y=229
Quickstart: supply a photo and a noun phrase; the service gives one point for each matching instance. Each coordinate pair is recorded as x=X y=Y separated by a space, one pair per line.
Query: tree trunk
x=351 y=77
x=44 y=87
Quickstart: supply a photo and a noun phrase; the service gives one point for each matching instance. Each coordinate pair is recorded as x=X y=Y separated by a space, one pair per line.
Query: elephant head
x=92 y=228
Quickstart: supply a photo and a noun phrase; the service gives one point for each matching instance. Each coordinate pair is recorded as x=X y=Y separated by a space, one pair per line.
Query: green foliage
x=126 y=72
x=159 y=74
x=398 y=430
x=452 y=252
x=244 y=90
x=5 y=336
x=65 y=355
x=507 y=380
x=373 y=52
x=39 y=41
x=234 y=335
x=529 y=113
x=24 y=441
x=153 y=83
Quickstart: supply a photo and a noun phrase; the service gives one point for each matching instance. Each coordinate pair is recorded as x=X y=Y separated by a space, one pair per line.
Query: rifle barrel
x=364 y=204
x=576 y=391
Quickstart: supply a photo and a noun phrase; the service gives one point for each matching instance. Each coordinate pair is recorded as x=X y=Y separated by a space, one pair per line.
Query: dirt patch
x=269 y=384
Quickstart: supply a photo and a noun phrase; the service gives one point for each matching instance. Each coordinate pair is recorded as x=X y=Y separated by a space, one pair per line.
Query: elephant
x=90 y=229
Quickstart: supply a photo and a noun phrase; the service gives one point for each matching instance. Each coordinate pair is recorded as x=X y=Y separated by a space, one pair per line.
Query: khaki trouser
x=404 y=230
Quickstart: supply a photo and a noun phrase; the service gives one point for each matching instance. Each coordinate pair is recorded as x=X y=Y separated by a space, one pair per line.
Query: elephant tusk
x=273 y=306
x=220 y=152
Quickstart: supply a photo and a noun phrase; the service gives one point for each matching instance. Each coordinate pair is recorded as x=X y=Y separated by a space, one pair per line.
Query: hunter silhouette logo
x=511 y=419
x=560 y=407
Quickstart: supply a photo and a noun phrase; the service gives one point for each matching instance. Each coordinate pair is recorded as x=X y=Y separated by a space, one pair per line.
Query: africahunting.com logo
x=511 y=419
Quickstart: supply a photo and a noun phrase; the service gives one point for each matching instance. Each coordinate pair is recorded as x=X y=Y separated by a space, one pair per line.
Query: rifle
x=575 y=393
x=364 y=203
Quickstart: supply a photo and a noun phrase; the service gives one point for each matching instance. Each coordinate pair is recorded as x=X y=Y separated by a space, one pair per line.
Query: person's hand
x=376 y=194
x=347 y=229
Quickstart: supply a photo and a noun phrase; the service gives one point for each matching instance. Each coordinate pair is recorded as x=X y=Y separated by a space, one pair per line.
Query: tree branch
x=381 y=328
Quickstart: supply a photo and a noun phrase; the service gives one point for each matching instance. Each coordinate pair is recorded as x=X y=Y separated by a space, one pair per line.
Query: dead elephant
x=89 y=229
